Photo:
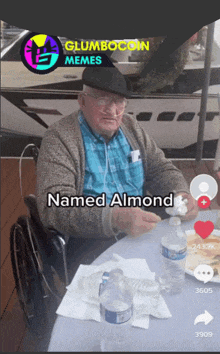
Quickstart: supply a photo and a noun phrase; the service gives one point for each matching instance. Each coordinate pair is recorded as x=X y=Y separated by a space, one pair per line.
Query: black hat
x=107 y=79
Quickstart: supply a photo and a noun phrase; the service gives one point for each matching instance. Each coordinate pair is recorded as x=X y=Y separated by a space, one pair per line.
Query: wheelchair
x=44 y=261
x=39 y=263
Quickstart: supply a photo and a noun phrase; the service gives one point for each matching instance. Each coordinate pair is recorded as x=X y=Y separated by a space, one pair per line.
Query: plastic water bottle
x=116 y=300
x=174 y=250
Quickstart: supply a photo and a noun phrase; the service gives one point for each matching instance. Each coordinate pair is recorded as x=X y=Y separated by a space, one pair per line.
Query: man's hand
x=133 y=221
x=192 y=207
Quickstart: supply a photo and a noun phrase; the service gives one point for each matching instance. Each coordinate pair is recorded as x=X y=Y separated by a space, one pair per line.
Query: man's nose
x=111 y=107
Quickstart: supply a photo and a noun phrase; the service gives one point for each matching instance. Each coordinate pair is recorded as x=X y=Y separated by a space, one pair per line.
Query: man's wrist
x=108 y=221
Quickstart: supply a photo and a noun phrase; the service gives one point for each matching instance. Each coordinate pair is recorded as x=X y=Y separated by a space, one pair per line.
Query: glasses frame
x=104 y=97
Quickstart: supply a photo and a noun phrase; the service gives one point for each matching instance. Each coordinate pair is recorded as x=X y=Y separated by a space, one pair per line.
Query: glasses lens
x=105 y=102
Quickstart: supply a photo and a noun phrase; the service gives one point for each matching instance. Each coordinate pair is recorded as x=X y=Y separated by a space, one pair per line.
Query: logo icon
x=204 y=317
x=203 y=185
x=203 y=272
x=41 y=53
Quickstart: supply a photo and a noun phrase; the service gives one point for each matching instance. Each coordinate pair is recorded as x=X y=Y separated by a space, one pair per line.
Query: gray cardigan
x=61 y=168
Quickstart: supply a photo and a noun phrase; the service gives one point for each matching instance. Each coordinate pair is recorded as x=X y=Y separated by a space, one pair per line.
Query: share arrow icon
x=204 y=317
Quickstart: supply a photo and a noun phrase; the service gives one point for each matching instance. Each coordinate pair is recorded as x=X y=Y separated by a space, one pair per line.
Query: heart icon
x=204 y=229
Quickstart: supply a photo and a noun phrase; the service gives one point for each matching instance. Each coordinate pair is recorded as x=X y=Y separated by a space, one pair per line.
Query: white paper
x=81 y=300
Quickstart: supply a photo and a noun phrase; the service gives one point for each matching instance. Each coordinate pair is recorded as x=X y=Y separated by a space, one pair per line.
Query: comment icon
x=203 y=272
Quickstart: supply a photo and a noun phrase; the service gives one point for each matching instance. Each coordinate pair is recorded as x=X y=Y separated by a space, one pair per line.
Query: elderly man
x=89 y=152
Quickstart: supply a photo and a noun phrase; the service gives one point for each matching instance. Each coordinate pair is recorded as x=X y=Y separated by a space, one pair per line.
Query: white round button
x=203 y=185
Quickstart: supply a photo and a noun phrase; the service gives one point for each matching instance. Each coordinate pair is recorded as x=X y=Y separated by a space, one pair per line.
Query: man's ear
x=81 y=100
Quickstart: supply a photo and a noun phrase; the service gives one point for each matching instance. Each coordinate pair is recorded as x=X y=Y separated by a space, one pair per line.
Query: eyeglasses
x=103 y=102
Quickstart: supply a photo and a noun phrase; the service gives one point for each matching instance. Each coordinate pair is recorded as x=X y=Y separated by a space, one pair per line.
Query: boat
x=169 y=113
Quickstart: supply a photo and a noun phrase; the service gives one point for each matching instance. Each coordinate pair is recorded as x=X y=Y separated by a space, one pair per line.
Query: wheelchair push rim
x=28 y=281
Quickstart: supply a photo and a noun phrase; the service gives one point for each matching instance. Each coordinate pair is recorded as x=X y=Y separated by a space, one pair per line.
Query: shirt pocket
x=136 y=173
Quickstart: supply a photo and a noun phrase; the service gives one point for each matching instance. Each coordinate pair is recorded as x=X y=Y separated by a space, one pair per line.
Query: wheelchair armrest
x=31 y=203
x=51 y=240
x=60 y=245
x=58 y=240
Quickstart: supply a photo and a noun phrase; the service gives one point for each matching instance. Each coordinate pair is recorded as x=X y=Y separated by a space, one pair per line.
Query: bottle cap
x=174 y=221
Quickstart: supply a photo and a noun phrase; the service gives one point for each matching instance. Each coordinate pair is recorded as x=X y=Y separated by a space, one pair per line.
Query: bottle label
x=116 y=317
x=172 y=254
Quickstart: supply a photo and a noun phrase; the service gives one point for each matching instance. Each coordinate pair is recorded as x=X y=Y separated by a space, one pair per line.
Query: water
x=116 y=305
x=115 y=309
x=173 y=275
x=173 y=250
x=116 y=301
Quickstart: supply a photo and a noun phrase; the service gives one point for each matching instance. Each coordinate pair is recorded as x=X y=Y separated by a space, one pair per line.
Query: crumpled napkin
x=179 y=207
x=81 y=300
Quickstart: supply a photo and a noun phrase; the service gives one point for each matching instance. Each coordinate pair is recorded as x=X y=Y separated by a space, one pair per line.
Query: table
x=177 y=333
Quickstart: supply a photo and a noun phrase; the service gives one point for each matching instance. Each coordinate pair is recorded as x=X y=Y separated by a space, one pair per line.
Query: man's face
x=103 y=116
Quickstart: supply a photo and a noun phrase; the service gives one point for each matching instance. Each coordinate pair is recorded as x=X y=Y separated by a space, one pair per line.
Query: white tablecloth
x=177 y=333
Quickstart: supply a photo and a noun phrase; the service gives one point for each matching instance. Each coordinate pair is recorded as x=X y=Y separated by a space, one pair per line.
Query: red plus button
x=204 y=202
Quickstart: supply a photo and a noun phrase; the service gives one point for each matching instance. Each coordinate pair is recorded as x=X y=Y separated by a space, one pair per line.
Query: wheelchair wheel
x=28 y=280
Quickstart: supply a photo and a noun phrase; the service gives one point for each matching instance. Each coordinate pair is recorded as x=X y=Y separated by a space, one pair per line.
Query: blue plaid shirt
x=108 y=167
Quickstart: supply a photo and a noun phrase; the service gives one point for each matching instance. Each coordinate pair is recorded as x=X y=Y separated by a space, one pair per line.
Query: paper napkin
x=81 y=300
